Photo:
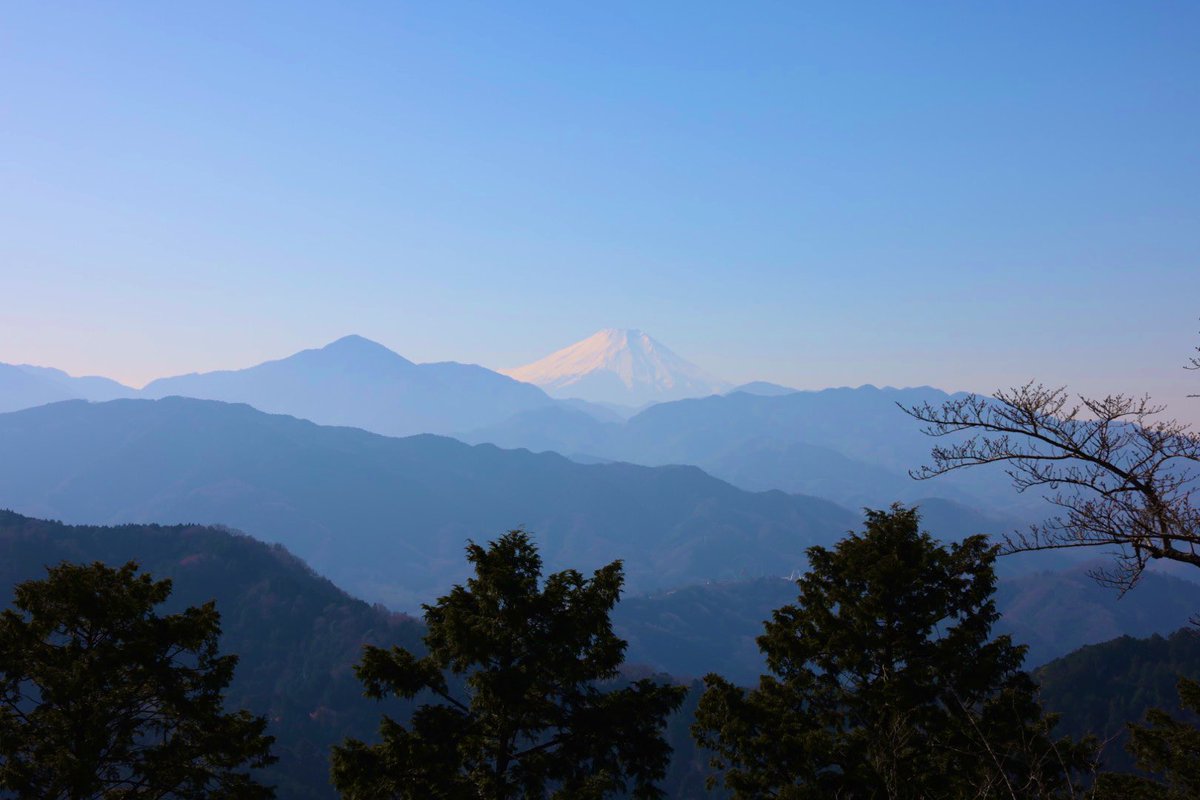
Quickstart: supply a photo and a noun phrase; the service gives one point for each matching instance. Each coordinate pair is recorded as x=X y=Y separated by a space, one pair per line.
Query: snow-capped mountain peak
x=618 y=365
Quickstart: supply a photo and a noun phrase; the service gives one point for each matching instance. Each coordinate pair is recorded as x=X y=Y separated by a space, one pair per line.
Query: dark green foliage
x=712 y=627
x=298 y=637
x=1165 y=746
x=102 y=697
x=296 y=634
x=885 y=683
x=532 y=718
x=1101 y=688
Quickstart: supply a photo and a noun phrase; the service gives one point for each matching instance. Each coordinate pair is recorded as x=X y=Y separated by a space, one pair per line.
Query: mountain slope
x=20 y=389
x=86 y=387
x=296 y=634
x=764 y=388
x=25 y=386
x=1061 y=611
x=852 y=446
x=618 y=366
x=387 y=518
x=1098 y=689
x=297 y=637
x=357 y=382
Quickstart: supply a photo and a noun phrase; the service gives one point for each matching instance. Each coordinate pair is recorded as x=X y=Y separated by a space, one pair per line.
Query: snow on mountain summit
x=618 y=366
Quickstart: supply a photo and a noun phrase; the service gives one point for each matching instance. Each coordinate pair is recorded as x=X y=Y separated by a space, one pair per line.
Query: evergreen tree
x=532 y=719
x=885 y=683
x=100 y=697
x=1166 y=746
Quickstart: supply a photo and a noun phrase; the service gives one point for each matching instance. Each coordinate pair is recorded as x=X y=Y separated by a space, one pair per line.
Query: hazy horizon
x=1187 y=409
x=962 y=197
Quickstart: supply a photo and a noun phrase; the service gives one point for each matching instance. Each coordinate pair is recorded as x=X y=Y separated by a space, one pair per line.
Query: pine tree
x=529 y=715
x=886 y=684
x=100 y=697
x=1165 y=746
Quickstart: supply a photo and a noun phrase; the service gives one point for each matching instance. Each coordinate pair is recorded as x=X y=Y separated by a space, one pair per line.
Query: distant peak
x=353 y=341
x=621 y=365
x=359 y=347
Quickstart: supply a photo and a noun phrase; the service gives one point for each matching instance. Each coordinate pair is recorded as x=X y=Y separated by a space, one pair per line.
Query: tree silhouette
x=1166 y=746
x=885 y=683
x=100 y=697
x=529 y=717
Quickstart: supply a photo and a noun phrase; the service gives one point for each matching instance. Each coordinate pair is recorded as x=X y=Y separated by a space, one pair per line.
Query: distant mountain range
x=24 y=386
x=765 y=388
x=360 y=383
x=705 y=546
x=619 y=366
x=354 y=381
x=852 y=446
x=387 y=518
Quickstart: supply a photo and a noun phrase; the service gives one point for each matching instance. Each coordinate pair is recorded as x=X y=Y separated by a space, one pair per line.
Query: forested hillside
x=1102 y=687
x=296 y=634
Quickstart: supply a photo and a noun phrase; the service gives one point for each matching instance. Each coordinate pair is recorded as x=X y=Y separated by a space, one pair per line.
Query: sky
x=966 y=195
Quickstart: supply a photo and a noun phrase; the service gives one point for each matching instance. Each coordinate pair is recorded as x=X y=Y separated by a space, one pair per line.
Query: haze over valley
x=731 y=484
x=599 y=401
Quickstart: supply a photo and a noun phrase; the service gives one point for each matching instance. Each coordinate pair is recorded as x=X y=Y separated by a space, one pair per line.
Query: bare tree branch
x=1120 y=476
x=1193 y=363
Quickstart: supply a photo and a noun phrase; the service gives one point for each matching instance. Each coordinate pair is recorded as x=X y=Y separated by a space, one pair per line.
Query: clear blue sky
x=959 y=194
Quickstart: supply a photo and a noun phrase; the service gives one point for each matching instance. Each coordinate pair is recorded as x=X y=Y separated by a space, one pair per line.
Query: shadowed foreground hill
x=387 y=518
x=296 y=634
x=1100 y=688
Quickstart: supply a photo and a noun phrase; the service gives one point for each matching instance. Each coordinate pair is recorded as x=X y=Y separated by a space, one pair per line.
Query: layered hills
x=352 y=381
x=24 y=386
x=297 y=636
x=854 y=446
x=387 y=518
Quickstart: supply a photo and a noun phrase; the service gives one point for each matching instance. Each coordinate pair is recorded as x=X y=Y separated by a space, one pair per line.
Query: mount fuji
x=620 y=366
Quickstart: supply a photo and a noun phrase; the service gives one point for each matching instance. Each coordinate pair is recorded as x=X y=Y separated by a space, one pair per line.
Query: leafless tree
x=1121 y=477
x=1194 y=363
